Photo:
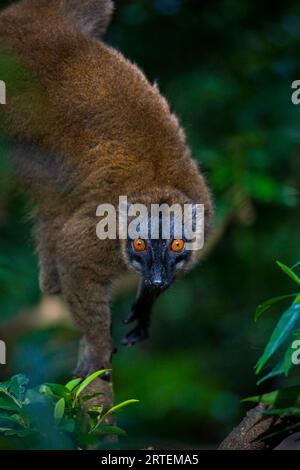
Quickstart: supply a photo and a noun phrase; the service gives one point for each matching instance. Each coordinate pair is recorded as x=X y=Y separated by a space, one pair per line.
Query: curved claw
x=106 y=376
x=87 y=367
x=130 y=319
x=137 y=335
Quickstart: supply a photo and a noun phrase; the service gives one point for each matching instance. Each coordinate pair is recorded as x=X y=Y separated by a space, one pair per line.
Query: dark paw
x=137 y=335
x=88 y=367
x=132 y=317
x=106 y=376
x=49 y=284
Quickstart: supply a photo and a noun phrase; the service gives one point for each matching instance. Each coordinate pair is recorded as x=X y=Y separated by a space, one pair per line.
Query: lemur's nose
x=157 y=283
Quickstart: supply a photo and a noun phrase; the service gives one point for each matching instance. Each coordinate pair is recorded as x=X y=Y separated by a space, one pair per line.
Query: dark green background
x=227 y=68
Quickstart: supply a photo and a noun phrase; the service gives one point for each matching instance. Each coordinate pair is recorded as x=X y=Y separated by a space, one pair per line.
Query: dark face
x=158 y=260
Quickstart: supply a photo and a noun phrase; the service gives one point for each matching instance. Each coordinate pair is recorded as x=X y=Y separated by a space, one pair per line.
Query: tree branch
x=252 y=433
x=103 y=387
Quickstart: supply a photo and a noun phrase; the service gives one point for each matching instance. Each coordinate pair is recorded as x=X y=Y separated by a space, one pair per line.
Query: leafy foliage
x=285 y=401
x=285 y=332
x=53 y=415
x=280 y=402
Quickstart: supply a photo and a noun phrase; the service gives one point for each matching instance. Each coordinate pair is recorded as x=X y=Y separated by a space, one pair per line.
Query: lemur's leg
x=88 y=300
x=48 y=278
x=87 y=268
x=141 y=312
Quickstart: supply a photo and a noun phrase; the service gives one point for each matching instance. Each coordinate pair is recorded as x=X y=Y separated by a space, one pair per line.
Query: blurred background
x=227 y=68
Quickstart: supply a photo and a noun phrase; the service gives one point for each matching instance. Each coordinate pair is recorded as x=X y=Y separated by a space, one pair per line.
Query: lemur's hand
x=138 y=334
x=87 y=366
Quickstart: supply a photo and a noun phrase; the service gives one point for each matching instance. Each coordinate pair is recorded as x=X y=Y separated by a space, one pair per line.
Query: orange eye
x=139 y=244
x=177 y=246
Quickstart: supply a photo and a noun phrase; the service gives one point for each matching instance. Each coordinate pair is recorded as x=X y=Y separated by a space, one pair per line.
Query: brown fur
x=89 y=127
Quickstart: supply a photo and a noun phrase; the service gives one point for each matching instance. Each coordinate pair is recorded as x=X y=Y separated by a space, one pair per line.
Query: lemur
x=88 y=127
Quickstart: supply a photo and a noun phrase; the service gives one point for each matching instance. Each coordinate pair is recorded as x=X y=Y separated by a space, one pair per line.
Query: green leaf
x=269 y=303
x=15 y=387
x=289 y=272
x=73 y=384
x=117 y=408
x=279 y=369
x=266 y=399
x=88 y=381
x=109 y=431
x=59 y=410
x=18 y=386
x=284 y=398
x=288 y=429
x=18 y=432
x=282 y=411
x=8 y=401
x=285 y=364
x=15 y=419
x=281 y=333
x=95 y=410
x=45 y=390
x=57 y=389
x=6 y=404
x=4 y=430
x=95 y=416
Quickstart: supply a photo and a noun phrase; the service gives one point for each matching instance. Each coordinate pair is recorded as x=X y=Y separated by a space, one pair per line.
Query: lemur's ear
x=91 y=16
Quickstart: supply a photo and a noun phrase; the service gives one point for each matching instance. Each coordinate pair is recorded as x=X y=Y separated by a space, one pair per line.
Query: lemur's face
x=158 y=260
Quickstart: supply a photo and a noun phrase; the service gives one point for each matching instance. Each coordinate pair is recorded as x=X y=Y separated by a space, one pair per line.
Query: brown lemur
x=88 y=127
